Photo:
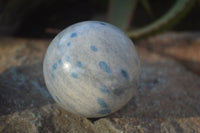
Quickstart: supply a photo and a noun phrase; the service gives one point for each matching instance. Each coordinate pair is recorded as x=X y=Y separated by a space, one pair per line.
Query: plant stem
x=172 y=17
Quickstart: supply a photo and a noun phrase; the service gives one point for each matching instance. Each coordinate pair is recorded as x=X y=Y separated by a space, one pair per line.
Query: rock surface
x=167 y=101
x=183 y=47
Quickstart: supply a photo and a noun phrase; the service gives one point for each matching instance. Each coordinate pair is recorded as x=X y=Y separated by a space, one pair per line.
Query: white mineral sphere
x=91 y=69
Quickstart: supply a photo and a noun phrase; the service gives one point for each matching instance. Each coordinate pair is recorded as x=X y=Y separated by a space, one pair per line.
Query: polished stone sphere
x=91 y=69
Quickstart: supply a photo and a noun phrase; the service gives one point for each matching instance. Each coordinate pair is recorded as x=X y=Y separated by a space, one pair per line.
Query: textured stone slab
x=183 y=47
x=167 y=101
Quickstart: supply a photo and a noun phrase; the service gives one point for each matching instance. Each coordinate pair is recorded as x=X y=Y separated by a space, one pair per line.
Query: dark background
x=34 y=18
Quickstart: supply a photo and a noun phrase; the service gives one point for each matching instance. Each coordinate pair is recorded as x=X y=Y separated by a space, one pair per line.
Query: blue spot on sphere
x=57 y=99
x=69 y=44
x=124 y=74
x=54 y=67
x=102 y=23
x=73 y=35
x=60 y=62
x=105 y=90
x=79 y=64
x=52 y=75
x=104 y=66
x=104 y=111
x=102 y=103
x=74 y=75
x=67 y=58
x=93 y=48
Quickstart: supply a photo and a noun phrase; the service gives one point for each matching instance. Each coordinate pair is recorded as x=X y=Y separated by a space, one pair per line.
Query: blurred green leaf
x=121 y=12
x=168 y=20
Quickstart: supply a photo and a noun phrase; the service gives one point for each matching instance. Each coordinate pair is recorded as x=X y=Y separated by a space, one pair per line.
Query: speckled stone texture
x=91 y=69
x=168 y=100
